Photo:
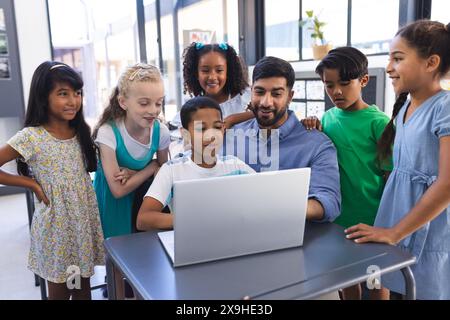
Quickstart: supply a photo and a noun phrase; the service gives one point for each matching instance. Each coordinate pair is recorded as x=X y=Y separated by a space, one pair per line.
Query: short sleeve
x=105 y=135
x=161 y=187
x=441 y=120
x=24 y=143
x=164 y=137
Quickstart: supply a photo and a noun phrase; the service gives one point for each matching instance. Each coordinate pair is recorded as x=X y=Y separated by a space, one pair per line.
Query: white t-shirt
x=236 y=104
x=185 y=169
x=136 y=149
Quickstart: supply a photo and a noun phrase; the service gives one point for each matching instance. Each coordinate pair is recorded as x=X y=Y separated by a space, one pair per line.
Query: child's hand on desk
x=124 y=175
x=363 y=233
x=37 y=189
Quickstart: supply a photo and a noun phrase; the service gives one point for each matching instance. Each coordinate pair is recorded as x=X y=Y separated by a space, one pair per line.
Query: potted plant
x=320 y=47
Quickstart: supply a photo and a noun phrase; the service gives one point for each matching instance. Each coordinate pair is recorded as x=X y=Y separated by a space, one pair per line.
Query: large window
x=282 y=29
x=372 y=25
x=170 y=74
x=96 y=44
x=334 y=14
x=440 y=10
x=151 y=32
x=194 y=22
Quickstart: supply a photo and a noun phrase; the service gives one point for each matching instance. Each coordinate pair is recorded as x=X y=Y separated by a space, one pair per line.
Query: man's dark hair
x=269 y=67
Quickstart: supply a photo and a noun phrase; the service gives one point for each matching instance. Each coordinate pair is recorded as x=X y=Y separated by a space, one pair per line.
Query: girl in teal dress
x=128 y=136
x=414 y=212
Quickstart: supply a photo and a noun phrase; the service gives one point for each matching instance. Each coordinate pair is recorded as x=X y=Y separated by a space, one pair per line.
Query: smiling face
x=64 y=102
x=143 y=102
x=270 y=101
x=212 y=74
x=345 y=95
x=407 y=70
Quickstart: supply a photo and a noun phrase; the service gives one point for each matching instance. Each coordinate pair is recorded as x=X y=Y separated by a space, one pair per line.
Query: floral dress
x=67 y=234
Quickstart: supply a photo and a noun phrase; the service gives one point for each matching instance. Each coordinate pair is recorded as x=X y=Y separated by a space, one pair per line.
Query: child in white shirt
x=202 y=122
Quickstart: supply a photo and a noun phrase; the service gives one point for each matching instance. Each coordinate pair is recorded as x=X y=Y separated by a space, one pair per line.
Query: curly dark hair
x=237 y=76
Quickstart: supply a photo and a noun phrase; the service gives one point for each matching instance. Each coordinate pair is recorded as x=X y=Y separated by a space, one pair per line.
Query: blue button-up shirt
x=288 y=147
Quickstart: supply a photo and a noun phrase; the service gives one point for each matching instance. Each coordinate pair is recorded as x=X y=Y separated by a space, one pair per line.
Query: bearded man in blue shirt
x=276 y=140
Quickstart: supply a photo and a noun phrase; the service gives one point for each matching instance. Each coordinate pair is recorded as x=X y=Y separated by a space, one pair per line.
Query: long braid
x=384 y=145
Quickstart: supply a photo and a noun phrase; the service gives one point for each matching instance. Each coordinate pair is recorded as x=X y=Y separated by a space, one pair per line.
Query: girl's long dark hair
x=237 y=75
x=384 y=145
x=46 y=76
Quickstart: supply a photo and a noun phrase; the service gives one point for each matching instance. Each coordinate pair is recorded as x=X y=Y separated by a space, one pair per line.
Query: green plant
x=316 y=26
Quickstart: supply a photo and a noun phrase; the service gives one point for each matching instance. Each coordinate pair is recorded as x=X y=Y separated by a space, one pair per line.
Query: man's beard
x=270 y=122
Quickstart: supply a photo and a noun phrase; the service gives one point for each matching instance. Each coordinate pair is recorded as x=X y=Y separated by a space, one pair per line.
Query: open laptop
x=230 y=216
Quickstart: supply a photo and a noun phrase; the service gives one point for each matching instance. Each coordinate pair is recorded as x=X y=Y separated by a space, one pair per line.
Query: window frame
x=409 y=10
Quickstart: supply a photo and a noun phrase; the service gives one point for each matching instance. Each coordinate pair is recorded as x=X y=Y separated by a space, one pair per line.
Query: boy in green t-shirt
x=354 y=127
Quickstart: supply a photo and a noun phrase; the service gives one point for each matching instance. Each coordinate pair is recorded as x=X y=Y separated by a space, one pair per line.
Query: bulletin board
x=311 y=99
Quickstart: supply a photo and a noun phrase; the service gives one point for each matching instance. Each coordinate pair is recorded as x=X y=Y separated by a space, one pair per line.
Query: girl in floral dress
x=55 y=154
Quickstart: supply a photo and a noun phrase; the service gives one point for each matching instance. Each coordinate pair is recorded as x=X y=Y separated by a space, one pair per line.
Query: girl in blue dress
x=414 y=212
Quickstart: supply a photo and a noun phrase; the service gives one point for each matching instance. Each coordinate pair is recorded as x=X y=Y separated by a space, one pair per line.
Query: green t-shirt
x=355 y=135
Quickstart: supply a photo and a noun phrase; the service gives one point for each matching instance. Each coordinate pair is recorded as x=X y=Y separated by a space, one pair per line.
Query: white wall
x=33 y=38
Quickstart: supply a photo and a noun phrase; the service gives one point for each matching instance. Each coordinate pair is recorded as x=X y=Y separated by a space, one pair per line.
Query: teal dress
x=115 y=213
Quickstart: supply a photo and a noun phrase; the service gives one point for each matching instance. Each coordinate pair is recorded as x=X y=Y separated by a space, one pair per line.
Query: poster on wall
x=197 y=35
x=4 y=68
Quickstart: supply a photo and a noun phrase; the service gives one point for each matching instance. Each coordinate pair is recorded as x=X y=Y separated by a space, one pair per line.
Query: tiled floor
x=16 y=281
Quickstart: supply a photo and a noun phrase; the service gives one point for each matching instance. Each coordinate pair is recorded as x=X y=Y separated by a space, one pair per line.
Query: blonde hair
x=139 y=72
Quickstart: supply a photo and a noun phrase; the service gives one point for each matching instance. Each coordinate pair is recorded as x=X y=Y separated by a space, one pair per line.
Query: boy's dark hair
x=351 y=63
x=194 y=104
x=269 y=67
x=427 y=38
x=237 y=76
x=45 y=77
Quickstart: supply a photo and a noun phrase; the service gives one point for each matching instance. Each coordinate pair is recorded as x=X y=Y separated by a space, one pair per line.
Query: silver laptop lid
x=230 y=216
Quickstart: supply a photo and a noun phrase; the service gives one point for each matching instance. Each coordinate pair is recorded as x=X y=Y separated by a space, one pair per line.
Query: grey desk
x=326 y=262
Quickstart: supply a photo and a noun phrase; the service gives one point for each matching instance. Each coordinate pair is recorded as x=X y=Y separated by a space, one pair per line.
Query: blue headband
x=223 y=46
x=201 y=45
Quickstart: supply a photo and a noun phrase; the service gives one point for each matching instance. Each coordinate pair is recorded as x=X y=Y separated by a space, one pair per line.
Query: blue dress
x=416 y=162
